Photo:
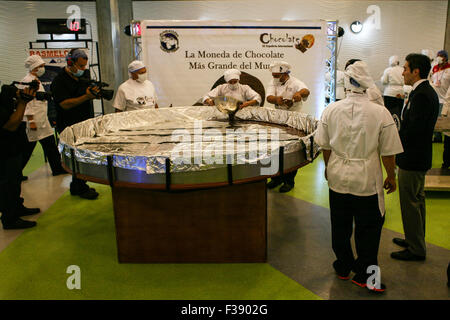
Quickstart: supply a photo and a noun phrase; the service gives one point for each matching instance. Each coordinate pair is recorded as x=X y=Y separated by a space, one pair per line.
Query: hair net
x=280 y=67
x=135 y=66
x=359 y=71
x=231 y=74
x=443 y=53
x=33 y=61
x=393 y=61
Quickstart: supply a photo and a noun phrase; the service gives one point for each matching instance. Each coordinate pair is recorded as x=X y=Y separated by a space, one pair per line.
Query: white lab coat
x=132 y=95
x=440 y=81
x=446 y=108
x=242 y=93
x=287 y=91
x=374 y=95
x=358 y=132
x=393 y=79
x=37 y=109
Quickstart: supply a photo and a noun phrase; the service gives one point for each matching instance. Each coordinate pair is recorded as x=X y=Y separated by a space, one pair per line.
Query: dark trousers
x=365 y=212
x=394 y=105
x=412 y=204
x=10 y=188
x=50 y=150
x=288 y=178
x=446 y=154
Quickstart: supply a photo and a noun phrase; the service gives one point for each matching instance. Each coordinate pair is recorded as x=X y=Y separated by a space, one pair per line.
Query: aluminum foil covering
x=193 y=138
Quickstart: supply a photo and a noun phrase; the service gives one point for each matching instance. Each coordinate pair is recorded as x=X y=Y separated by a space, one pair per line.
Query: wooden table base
x=227 y=224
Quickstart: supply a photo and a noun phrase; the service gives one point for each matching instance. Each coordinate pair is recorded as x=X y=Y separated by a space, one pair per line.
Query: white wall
x=406 y=26
x=18 y=27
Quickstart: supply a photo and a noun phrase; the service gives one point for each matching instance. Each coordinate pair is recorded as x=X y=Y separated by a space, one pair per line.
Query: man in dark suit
x=416 y=132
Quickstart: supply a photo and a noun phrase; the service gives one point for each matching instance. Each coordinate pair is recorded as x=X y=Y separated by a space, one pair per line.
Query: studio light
x=356 y=27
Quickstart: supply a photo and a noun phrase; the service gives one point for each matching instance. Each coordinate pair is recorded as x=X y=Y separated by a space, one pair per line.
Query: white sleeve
x=251 y=94
x=270 y=90
x=120 y=101
x=214 y=93
x=322 y=137
x=300 y=86
x=446 y=106
x=389 y=139
x=385 y=77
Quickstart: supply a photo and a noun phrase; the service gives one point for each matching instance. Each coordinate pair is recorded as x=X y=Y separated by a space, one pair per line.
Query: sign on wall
x=186 y=59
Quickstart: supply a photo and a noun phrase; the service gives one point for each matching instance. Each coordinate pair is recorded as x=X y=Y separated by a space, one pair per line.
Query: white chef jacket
x=287 y=91
x=134 y=95
x=358 y=132
x=374 y=95
x=446 y=108
x=440 y=81
x=37 y=109
x=393 y=79
x=340 y=90
x=242 y=93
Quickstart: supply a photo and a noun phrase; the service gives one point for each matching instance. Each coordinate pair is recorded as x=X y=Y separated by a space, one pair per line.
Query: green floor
x=74 y=232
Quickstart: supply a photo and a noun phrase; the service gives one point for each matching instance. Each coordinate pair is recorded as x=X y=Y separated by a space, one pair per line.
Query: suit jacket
x=416 y=129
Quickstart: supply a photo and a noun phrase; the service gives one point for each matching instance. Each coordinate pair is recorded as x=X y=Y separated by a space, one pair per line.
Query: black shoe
x=273 y=184
x=286 y=188
x=28 y=211
x=59 y=172
x=19 y=224
x=406 y=255
x=400 y=242
x=341 y=272
x=89 y=194
x=24 y=178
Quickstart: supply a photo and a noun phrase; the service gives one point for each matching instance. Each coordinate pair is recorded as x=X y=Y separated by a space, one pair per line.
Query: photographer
x=12 y=143
x=73 y=97
x=38 y=126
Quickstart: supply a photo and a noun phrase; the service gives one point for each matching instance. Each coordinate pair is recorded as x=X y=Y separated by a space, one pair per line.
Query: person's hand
x=287 y=102
x=92 y=92
x=279 y=101
x=209 y=102
x=297 y=97
x=26 y=95
x=390 y=184
x=400 y=96
x=243 y=105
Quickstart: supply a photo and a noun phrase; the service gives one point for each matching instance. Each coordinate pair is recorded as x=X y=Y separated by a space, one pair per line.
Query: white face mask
x=439 y=60
x=141 y=77
x=40 y=72
x=233 y=86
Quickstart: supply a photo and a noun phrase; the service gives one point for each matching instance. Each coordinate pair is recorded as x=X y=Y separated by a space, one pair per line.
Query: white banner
x=186 y=59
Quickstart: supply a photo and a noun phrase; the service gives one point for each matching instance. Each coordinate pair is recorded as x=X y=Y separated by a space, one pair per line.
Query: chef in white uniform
x=393 y=92
x=233 y=89
x=137 y=92
x=374 y=94
x=354 y=133
x=287 y=93
x=38 y=126
x=284 y=91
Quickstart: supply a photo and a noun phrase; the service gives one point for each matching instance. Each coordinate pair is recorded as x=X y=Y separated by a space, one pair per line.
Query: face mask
x=40 y=72
x=141 y=77
x=79 y=73
x=439 y=60
x=233 y=86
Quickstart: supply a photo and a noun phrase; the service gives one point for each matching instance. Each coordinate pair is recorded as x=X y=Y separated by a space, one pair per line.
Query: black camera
x=11 y=91
x=103 y=93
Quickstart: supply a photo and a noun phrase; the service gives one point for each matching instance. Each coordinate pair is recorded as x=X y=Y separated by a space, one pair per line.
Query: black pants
x=365 y=212
x=50 y=150
x=446 y=154
x=288 y=178
x=394 y=105
x=10 y=188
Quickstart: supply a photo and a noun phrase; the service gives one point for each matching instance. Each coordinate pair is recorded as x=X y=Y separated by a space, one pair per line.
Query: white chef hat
x=393 y=61
x=231 y=74
x=359 y=71
x=135 y=66
x=33 y=61
x=279 y=67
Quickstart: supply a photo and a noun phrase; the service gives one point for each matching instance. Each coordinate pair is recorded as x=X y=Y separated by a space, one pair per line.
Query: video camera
x=11 y=91
x=103 y=93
